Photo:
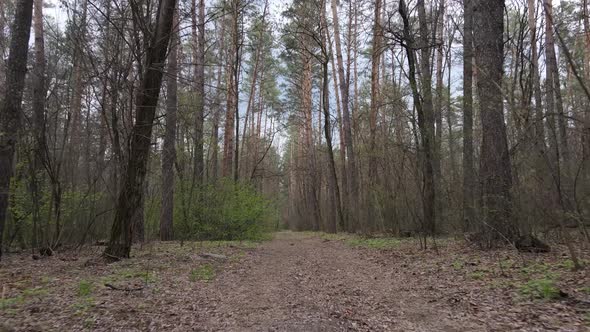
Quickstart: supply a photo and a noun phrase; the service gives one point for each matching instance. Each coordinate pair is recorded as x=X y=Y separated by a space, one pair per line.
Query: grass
x=245 y=244
x=458 y=265
x=544 y=288
x=374 y=243
x=359 y=241
x=204 y=272
x=27 y=294
x=477 y=275
x=85 y=288
x=82 y=307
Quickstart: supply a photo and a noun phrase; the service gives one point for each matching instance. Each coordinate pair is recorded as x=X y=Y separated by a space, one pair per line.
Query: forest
x=300 y=165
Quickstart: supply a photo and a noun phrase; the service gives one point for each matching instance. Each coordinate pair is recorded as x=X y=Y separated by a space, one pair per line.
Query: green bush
x=225 y=211
x=76 y=211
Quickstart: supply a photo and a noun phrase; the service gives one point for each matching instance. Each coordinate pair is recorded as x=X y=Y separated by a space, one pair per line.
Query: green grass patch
x=458 y=265
x=26 y=294
x=85 y=288
x=544 y=288
x=477 y=275
x=334 y=236
x=205 y=272
x=11 y=302
x=246 y=244
x=536 y=268
x=129 y=274
x=83 y=306
x=374 y=243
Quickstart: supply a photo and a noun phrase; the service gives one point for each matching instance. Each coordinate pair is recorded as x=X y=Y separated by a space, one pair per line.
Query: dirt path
x=299 y=283
x=296 y=282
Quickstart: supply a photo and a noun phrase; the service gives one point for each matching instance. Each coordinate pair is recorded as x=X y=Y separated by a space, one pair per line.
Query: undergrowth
x=205 y=272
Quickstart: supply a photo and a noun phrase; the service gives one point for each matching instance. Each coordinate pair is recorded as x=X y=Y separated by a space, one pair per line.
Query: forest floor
x=296 y=282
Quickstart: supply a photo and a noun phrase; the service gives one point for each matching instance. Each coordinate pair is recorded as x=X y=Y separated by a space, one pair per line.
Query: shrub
x=225 y=211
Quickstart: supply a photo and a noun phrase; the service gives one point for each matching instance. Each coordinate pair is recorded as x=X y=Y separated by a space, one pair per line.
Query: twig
x=123 y=289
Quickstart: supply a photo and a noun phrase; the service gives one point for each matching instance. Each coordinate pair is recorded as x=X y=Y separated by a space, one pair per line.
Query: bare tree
x=119 y=245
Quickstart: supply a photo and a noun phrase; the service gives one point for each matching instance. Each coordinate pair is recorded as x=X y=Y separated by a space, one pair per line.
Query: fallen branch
x=123 y=289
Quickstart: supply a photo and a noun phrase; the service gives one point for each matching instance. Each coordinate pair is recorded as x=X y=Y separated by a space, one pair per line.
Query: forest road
x=299 y=282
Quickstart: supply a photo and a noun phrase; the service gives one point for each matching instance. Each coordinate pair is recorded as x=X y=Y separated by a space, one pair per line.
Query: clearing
x=296 y=282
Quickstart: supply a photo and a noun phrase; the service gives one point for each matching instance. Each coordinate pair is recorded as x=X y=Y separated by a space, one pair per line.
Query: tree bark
x=539 y=129
x=218 y=109
x=427 y=133
x=10 y=109
x=119 y=245
x=199 y=90
x=374 y=110
x=438 y=112
x=344 y=81
x=39 y=92
x=76 y=101
x=468 y=164
x=169 y=149
x=232 y=94
x=495 y=172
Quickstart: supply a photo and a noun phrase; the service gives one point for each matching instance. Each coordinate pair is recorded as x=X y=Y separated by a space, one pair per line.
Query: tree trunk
x=218 y=108
x=39 y=93
x=10 y=109
x=199 y=39
x=468 y=164
x=375 y=101
x=332 y=177
x=232 y=94
x=119 y=245
x=347 y=135
x=495 y=169
x=76 y=101
x=539 y=129
x=427 y=132
x=169 y=149
x=438 y=113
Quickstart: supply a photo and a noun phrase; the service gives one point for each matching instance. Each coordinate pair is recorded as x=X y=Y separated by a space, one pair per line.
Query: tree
x=10 y=107
x=39 y=92
x=119 y=245
x=495 y=171
x=375 y=61
x=344 y=85
x=468 y=164
x=232 y=105
x=427 y=124
x=199 y=40
x=169 y=149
